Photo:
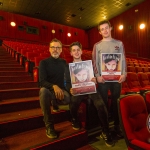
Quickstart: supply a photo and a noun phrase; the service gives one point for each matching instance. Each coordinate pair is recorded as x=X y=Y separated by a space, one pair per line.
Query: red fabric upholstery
x=144 y=81
x=138 y=69
x=132 y=80
x=131 y=68
x=145 y=69
x=36 y=69
x=147 y=100
x=133 y=117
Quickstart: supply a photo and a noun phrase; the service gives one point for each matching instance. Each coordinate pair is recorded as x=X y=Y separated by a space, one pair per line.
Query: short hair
x=80 y=66
x=75 y=44
x=103 y=22
x=55 y=40
x=109 y=57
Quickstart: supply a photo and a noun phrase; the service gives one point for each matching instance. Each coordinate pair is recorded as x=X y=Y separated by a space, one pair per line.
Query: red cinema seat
x=147 y=100
x=30 y=61
x=133 y=117
x=131 y=69
x=23 y=56
x=144 y=80
x=145 y=69
x=36 y=68
x=132 y=80
x=138 y=69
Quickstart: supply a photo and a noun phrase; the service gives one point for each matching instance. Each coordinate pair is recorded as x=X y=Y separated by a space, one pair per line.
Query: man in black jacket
x=51 y=80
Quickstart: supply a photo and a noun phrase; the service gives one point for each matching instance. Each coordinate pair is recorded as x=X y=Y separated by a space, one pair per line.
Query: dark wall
x=136 y=41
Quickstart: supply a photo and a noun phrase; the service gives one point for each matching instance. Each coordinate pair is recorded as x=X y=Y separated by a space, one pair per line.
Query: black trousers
x=115 y=89
x=98 y=103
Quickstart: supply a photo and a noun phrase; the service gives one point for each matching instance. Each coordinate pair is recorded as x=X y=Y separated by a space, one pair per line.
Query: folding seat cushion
x=133 y=119
x=144 y=80
x=148 y=74
x=138 y=69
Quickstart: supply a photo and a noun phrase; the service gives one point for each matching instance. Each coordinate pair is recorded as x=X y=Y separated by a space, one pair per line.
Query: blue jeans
x=115 y=89
x=46 y=96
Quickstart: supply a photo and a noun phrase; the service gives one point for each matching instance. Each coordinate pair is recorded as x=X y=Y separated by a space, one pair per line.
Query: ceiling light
x=1 y=3
x=13 y=24
x=142 y=26
x=69 y=34
x=120 y=27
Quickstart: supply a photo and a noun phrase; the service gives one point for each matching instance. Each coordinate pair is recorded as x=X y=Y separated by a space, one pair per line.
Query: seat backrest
x=147 y=100
x=133 y=81
x=131 y=69
x=133 y=117
x=143 y=78
x=138 y=69
x=37 y=60
x=145 y=69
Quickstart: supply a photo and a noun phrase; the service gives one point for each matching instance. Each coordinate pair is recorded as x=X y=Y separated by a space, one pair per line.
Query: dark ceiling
x=82 y=14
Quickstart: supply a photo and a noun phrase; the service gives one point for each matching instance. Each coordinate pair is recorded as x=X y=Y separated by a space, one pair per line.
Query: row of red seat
x=138 y=69
x=136 y=82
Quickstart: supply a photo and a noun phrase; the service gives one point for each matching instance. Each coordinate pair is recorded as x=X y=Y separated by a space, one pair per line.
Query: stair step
x=10 y=65
x=18 y=93
x=68 y=139
x=13 y=105
x=21 y=121
x=13 y=73
x=15 y=78
x=20 y=68
x=17 y=85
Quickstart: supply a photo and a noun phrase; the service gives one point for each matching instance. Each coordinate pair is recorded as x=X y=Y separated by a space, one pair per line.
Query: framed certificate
x=81 y=74
x=111 y=66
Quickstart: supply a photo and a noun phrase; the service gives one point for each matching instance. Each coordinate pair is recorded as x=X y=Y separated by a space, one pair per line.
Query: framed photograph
x=81 y=74
x=111 y=64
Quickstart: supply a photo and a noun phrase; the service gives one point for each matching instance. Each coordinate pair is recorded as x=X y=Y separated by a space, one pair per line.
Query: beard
x=55 y=56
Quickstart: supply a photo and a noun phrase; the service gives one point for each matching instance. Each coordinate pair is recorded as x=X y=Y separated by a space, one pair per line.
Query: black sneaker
x=55 y=108
x=75 y=125
x=118 y=131
x=51 y=133
x=108 y=139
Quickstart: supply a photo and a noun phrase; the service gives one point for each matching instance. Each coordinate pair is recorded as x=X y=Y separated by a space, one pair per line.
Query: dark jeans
x=115 y=89
x=98 y=103
x=46 y=96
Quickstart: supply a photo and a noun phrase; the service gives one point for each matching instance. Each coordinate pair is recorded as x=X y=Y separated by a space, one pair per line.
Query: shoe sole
x=107 y=143
x=51 y=137
x=75 y=128
x=56 y=110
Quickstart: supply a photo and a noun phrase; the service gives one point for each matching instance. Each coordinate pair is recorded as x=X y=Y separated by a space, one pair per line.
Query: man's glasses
x=57 y=48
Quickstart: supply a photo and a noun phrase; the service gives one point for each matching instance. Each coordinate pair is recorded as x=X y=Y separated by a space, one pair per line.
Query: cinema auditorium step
x=15 y=78
x=21 y=118
x=68 y=139
x=13 y=73
x=19 y=104
x=18 y=93
x=19 y=68
x=20 y=121
x=17 y=85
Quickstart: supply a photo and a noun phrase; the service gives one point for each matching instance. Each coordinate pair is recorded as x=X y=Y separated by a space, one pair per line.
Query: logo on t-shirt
x=117 y=48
